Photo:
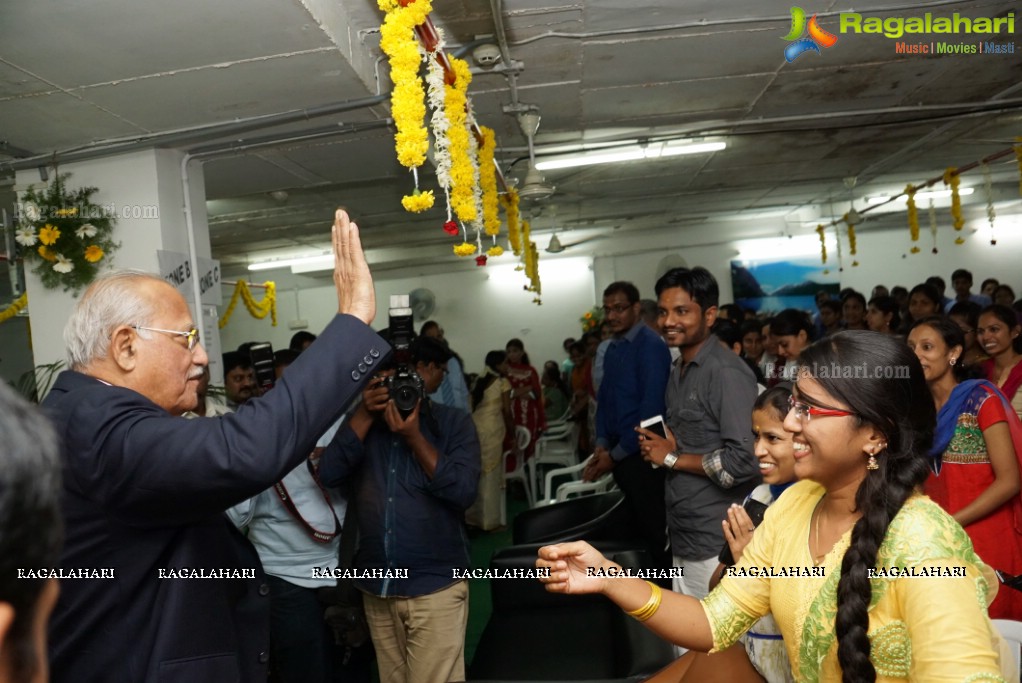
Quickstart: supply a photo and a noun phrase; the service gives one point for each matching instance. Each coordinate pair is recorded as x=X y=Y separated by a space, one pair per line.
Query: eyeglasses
x=191 y=335
x=804 y=411
x=620 y=308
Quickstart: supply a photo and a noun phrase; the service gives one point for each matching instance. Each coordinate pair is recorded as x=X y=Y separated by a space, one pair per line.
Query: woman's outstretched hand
x=574 y=568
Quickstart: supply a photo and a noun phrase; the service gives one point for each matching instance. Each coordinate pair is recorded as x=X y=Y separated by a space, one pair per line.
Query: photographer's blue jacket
x=406 y=520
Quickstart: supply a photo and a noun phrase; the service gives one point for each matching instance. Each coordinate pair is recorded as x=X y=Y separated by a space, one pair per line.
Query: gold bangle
x=651 y=606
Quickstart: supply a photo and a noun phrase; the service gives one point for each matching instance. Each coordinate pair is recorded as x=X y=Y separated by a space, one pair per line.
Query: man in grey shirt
x=708 y=450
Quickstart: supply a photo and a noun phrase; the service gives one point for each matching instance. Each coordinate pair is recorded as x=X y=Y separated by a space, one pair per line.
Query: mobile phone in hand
x=655 y=425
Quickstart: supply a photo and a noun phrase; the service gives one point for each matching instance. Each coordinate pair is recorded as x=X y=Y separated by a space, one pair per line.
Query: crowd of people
x=311 y=520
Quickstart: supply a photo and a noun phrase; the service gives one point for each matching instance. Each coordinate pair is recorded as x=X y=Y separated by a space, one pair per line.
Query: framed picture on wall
x=772 y=285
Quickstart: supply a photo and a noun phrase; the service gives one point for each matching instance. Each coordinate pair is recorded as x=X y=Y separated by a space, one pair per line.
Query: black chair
x=601 y=517
x=534 y=635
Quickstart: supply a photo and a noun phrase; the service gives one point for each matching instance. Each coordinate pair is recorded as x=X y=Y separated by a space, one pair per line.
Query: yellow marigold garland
x=495 y=250
x=488 y=182
x=951 y=178
x=852 y=249
x=462 y=170
x=407 y=101
x=464 y=249
x=913 y=216
x=510 y=202
x=820 y=230
x=258 y=309
x=14 y=308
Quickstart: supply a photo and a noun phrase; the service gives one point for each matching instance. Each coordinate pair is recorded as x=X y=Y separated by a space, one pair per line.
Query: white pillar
x=146 y=191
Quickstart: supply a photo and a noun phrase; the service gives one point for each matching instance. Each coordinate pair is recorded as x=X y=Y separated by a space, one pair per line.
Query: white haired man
x=144 y=491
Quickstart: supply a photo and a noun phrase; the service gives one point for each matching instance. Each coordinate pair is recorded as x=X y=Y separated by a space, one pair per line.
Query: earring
x=953 y=360
x=871 y=463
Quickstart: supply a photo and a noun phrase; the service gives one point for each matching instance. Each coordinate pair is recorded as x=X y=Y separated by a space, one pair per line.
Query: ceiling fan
x=534 y=186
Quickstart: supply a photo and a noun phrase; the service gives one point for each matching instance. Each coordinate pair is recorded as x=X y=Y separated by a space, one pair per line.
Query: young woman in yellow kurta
x=862 y=420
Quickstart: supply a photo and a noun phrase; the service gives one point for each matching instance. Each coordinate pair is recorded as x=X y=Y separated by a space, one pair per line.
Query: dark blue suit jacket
x=145 y=491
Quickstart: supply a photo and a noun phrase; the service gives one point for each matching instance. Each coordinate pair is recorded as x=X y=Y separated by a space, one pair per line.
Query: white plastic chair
x=575 y=487
x=520 y=472
x=557 y=447
x=1011 y=631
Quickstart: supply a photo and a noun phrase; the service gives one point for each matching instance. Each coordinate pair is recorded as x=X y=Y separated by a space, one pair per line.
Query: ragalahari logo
x=800 y=43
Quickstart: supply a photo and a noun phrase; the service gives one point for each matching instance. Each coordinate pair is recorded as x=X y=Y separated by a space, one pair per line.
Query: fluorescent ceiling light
x=924 y=194
x=304 y=264
x=633 y=152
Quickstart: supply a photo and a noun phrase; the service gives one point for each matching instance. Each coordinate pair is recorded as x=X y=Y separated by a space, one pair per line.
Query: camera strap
x=289 y=504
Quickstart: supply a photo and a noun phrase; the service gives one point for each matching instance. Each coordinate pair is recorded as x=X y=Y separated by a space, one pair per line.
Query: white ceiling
x=106 y=73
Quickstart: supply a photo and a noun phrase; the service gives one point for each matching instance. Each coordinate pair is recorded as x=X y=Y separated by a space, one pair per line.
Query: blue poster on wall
x=770 y=286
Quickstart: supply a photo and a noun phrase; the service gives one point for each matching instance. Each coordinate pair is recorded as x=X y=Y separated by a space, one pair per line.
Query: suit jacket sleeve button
x=264 y=589
x=355 y=376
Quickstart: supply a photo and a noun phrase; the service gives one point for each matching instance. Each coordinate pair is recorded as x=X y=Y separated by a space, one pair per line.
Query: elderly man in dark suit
x=168 y=589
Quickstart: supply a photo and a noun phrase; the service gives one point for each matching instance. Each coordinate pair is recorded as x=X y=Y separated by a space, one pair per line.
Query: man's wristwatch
x=670 y=459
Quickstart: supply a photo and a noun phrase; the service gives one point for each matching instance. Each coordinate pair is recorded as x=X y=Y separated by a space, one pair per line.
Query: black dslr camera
x=405 y=386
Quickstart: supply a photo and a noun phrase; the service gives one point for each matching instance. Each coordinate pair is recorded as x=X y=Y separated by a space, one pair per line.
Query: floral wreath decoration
x=64 y=235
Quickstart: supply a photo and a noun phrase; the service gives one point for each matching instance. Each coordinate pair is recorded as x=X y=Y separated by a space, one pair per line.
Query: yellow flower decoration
x=93 y=254
x=488 y=182
x=64 y=213
x=495 y=251
x=462 y=173
x=418 y=202
x=913 y=215
x=258 y=309
x=851 y=239
x=48 y=254
x=951 y=178
x=510 y=202
x=820 y=230
x=464 y=249
x=407 y=100
x=49 y=235
x=14 y=308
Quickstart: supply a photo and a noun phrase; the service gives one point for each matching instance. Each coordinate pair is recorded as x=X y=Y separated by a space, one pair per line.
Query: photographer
x=413 y=470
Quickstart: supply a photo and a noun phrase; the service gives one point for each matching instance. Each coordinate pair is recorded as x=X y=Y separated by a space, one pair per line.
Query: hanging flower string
x=851 y=239
x=952 y=179
x=991 y=214
x=16 y=306
x=821 y=231
x=258 y=309
x=933 y=225
x=913 y=216
x=463 y=174
x=840 y=255
x=407 y=101
x=488 y=182
x=435 y=95
x=531 y=260
x=509 y=200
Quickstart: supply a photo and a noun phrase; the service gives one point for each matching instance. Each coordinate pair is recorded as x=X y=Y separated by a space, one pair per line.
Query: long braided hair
x=892 y=397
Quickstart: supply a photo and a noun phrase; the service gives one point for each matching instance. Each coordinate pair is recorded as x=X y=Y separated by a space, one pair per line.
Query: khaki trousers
x=422 y=639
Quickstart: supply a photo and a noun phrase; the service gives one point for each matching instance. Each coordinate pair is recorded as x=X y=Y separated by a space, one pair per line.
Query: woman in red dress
x=526 y=394
x=976 y=456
